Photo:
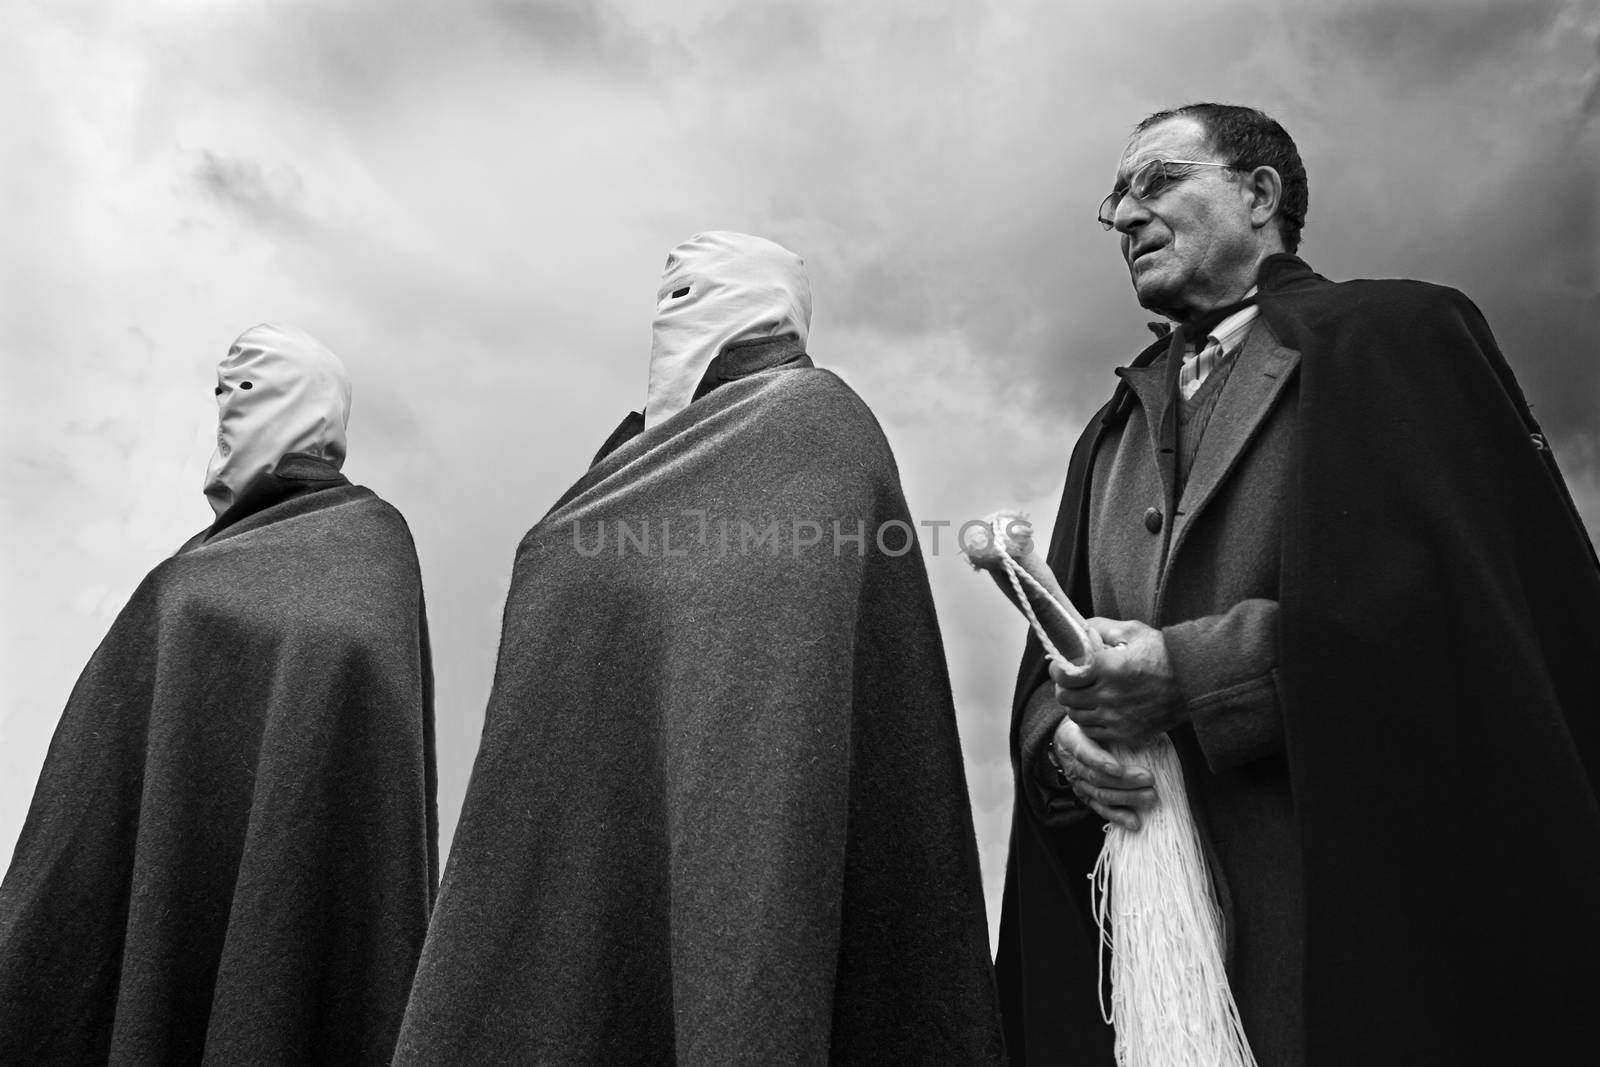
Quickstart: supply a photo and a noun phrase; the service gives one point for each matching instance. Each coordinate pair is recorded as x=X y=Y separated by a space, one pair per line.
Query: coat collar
x=1279 y=274
x=296 y=474
x=732 y=363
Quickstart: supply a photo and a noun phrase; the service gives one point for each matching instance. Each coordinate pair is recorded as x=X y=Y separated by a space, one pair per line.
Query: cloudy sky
x=471 y=203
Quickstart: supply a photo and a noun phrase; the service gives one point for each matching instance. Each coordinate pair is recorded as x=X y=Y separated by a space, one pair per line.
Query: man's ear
x=1264 y=191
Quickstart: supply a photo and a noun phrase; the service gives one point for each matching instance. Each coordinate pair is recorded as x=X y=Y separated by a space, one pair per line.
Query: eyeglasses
x=1146 y=182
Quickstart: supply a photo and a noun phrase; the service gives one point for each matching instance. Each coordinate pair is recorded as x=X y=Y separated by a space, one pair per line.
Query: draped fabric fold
x=718 y=814
x=231 y=853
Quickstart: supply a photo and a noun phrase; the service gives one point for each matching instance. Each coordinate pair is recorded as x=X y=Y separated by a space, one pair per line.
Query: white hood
x=278 y=391
x=719 y=288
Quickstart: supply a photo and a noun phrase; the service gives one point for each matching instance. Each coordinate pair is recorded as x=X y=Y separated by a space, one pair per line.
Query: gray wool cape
x=231 y=852
x=718 y=815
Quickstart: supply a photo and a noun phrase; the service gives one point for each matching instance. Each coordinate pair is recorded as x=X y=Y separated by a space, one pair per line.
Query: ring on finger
x=1053 y=756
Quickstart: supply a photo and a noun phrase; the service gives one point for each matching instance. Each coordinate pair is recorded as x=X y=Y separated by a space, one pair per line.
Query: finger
x=1093 y=721
x=1129 y=781
x=1078 y=754
x=1136 y=777
x=1071 y=739
x=1121 y=799
x=1073 y=677
x=1077 y=698
x=1118 y=776
x=1128 y=820
x=1115 y=631
x=1105 y=728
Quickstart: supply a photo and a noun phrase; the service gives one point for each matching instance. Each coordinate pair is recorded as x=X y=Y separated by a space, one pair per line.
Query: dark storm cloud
x=1540 y=222
x=1477 y=149
x=1591 y=99
x=1422 y=42
x=359 y=61
x=1049 y=313
x=569 y=30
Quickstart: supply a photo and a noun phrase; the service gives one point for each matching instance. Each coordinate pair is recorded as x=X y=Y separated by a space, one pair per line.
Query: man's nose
x=1129 y=215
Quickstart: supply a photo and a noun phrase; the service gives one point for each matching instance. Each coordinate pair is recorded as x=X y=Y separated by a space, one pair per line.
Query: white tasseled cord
x=1157 y=912
x=1171 y=1005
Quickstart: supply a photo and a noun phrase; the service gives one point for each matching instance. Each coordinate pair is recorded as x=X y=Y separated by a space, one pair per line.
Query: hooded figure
x=231 y=852
x=719 y=813
x=719 y=290
x=279 y=391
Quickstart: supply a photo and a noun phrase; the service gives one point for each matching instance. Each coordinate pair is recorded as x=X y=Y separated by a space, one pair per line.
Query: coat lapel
x=1149 y=385
x=1265 y=366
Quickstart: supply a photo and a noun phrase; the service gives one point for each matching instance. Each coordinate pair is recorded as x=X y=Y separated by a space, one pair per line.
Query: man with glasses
x=1332 y=558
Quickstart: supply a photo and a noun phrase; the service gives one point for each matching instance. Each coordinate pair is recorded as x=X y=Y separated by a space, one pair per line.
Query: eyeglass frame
x=1107 y=218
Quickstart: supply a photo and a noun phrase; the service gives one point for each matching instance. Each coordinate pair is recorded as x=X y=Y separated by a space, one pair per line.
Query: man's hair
x=1245 y=139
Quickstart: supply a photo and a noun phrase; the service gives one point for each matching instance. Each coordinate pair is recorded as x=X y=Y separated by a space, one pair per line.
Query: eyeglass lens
x=1145 y=182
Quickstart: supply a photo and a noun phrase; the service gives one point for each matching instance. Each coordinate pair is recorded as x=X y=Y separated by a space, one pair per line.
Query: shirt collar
x=1230 y=331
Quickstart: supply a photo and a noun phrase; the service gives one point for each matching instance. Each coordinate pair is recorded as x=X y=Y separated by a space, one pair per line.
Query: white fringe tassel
x=1153 y=899
x=1170 y=1001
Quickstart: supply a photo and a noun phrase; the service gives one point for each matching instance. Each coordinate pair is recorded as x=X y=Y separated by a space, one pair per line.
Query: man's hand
x=1116 y=792
x=1127 y=695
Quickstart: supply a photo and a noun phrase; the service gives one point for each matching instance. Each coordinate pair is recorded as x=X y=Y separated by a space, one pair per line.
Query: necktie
x=1192 y=373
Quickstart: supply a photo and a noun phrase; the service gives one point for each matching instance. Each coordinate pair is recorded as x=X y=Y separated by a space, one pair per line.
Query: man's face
x=1190 y=246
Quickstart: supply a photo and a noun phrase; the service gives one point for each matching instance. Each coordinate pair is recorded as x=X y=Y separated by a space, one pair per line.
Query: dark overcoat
x=1356 y=532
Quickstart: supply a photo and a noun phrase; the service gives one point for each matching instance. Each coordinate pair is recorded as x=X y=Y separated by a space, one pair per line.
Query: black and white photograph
x=595 y=532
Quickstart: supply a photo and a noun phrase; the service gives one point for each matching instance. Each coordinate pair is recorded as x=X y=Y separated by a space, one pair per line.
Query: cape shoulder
x=762 y=429
x=1397 y=344
x=344 y=511
x=1356 y=315
x=346 y=541
x=816 y=400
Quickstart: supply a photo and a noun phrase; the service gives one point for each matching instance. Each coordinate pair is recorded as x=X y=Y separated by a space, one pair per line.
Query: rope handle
x=1018 y=575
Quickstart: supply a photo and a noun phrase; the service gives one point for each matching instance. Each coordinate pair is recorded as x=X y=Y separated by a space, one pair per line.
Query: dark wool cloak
x=1440 y=682
x=718 y=815
x=231 y=852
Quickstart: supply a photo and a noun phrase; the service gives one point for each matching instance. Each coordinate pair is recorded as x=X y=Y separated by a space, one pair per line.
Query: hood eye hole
x=218 y=391
x=680 y=292
x=245 y=385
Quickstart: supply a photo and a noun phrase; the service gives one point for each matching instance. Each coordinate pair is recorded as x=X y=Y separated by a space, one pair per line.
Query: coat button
x=1152 y=520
